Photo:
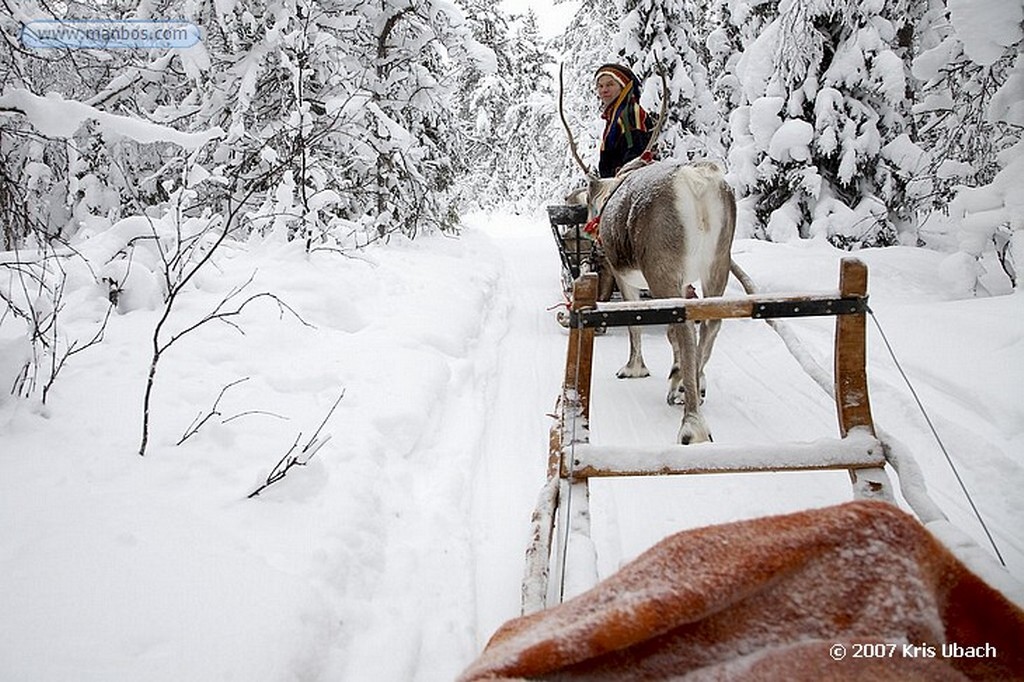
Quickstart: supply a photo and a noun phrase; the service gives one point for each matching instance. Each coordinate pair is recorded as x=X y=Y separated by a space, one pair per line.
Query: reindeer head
x=598 y=192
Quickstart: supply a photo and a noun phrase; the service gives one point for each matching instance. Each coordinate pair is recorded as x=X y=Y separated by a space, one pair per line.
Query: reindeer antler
x=661 y=111
x=561 y=112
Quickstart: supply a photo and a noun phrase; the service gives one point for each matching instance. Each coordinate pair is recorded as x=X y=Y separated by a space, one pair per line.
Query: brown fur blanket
x=852 y=592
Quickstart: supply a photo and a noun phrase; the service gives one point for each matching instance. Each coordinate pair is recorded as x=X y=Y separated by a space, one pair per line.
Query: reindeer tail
x=743 y=277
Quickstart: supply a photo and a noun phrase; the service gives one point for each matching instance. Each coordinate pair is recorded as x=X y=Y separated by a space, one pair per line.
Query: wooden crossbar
x=859 y=450
x=674 y=310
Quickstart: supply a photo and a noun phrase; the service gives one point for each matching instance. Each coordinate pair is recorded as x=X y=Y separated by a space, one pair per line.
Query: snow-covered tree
x=819 y=145
x=412 y=125
x=958 y=88
x=668 y=35
x=515 y=139
x=338 y=117
x=971 y=120
x=729 y=27
x=338 y=113
x=588 y=42
x=523 y=137
x=487 y=91
x=44 y=182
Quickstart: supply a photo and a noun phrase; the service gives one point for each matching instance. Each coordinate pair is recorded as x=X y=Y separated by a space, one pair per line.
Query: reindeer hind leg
x=708 y=332
x=634 y=367
x=668 y=288
x=693 y=428
x=683 y=377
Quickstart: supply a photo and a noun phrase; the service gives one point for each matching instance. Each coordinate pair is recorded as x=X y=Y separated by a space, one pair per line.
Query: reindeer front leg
x=634 y=367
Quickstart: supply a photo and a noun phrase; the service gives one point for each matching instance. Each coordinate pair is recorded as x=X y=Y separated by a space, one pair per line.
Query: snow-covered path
x=528 y=362
x=456 y=518
x=399 y=549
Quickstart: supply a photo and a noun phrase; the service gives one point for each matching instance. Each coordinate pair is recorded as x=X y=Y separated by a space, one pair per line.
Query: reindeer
x=667 y=224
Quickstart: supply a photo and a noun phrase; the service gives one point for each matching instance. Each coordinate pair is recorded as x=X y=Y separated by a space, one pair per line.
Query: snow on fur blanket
x=768 y=599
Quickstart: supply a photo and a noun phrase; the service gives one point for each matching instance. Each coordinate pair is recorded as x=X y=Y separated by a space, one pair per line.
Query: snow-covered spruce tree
x=970 y=120
x=588 y=42
x=487 y=91
x=511 y=132
x=286 y=126
x=670 y=34
x=536 y=141
x=728 y=27
x=418 y=48
x=819 y=142
x=337 y=114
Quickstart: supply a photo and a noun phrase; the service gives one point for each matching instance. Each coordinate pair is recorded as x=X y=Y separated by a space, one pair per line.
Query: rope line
x=938 y=438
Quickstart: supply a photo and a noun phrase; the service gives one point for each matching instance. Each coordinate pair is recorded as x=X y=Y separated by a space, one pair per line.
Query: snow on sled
x=856 y=591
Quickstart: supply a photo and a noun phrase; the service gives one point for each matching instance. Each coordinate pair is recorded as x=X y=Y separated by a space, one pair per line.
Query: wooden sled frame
x=574 y=248
x=563 y=504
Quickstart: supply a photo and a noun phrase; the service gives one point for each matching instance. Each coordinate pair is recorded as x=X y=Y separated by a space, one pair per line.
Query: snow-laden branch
x=57 y=117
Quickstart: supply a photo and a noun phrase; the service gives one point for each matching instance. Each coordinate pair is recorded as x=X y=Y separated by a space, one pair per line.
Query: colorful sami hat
x=622 y=75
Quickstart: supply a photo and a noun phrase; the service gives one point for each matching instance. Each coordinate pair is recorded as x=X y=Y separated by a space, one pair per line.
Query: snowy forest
x=868 y=123
x=321 y=229
x=340 y=123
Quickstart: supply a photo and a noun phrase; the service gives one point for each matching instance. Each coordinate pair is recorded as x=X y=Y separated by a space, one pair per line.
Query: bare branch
x=201 y=419
x=249 y=413
x=301 y=459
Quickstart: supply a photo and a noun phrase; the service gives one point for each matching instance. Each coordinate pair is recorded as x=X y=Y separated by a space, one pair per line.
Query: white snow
x=399 y=548
x=792 y=141
x=58 y=117
x=986 y=27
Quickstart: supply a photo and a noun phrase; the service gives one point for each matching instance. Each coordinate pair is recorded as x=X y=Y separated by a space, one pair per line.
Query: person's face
x=608 y=89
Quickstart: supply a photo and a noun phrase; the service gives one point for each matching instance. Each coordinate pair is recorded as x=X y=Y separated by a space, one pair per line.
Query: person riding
x=627 y=125
x=628 y=129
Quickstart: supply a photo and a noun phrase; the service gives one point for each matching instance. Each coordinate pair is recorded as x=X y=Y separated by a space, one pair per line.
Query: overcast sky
x=552 y=18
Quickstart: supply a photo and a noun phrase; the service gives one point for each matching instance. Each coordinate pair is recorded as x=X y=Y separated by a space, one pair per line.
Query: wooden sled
x=562 y=509
x=578 y=254
x=860 y=590
x=575 y=250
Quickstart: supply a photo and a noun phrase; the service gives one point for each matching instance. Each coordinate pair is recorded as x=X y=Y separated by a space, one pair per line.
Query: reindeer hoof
x=630 y=372
x=694 y=430
x=687 y=442
x=676 y=395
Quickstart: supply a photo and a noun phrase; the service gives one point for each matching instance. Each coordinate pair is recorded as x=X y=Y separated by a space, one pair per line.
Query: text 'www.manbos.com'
x=101 y=34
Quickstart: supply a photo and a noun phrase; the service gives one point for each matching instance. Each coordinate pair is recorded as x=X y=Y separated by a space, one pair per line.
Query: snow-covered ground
x=398 y=549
